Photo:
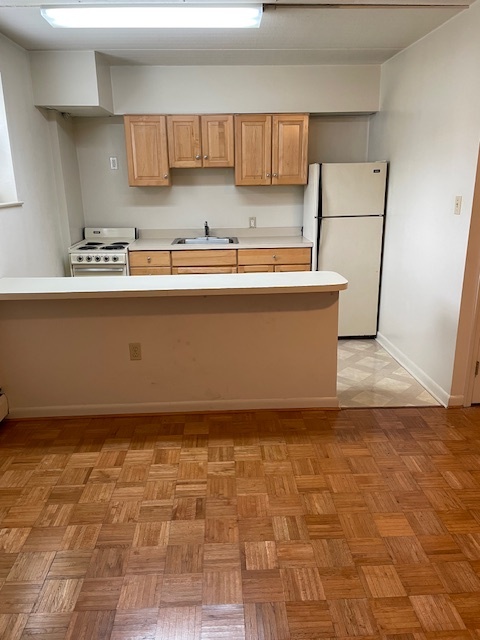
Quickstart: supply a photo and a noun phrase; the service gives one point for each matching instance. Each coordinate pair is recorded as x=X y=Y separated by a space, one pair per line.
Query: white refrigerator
x=343 y=215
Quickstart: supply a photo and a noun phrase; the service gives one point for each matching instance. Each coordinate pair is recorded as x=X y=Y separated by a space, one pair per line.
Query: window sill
x=8 y=205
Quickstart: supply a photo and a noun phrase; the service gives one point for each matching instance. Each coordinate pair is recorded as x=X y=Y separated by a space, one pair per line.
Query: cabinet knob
x=274 y=256
x=149 y=259
x=165 y=176
x=205 y=157
x=275 y=175
x=197 y=157
x=268 y=175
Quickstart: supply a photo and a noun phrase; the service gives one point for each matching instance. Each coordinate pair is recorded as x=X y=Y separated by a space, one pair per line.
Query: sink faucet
x=207 y=229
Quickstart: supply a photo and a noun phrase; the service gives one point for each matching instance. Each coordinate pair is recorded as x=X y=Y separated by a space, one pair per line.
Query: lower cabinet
x=150 y=263
x=154 y=263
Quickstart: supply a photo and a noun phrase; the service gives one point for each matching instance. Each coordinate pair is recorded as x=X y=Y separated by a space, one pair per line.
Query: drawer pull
x=274 y=257
x=149 y=259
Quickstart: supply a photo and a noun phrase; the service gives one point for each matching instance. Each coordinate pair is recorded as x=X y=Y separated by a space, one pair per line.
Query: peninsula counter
x=208 y=342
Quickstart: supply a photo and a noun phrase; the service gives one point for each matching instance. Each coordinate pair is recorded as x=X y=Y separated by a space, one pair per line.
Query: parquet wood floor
x=294 y=525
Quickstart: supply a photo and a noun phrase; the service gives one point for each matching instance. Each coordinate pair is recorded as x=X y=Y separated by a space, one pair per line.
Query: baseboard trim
x=173 y=407
x=420 y=376
x=456 y=401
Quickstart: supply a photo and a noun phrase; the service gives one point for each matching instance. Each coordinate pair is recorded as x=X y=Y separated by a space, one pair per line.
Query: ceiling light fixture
x=155 y=17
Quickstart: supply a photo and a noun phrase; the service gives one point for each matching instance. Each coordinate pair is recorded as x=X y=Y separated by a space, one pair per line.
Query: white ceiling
x=290 y=34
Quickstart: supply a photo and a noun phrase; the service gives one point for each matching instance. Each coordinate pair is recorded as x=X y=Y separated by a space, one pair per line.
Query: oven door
x=90 y=270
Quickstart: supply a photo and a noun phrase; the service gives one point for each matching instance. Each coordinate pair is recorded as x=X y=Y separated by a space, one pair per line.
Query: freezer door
x=352 y=247
x=353 y=189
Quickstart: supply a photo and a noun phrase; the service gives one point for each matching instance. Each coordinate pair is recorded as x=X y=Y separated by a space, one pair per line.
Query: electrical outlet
x=113 y=163
x=458 y=205
x=252 y=222
x=135 y=350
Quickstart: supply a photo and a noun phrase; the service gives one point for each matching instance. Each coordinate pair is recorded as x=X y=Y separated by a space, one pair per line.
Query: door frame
x=468 y=333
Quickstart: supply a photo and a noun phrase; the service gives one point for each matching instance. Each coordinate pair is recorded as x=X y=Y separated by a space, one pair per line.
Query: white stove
x=103 y=252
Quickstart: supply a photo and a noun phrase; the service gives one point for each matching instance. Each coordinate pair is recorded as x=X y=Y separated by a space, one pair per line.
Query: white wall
x=198 y=194
x=31 y=241
x=428 y=128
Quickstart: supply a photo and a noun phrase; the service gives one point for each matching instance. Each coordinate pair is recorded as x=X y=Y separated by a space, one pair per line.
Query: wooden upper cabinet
x=253 y=149
x=184 y=148
x=217 y=141
x=289 y=149
x=271 y=149
x=200 y=141
x=147 y=157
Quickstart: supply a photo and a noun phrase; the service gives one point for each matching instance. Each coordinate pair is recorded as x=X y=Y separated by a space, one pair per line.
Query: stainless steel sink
x=206 y=240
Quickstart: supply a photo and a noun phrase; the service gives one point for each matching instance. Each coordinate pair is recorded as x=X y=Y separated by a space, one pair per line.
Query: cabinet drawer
x=149 y=258
x=204 y=258
x=292 y=267
x=150 y=271
x=186 y=270
x=273 y=256
x=255 y=268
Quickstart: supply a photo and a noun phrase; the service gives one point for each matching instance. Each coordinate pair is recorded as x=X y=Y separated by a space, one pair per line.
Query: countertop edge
x=267 y=242
x=171 y=286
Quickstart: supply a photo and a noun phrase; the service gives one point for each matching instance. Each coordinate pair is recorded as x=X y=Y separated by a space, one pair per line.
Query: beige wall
x=68 y=357
x=199 y=194
x=246 y=89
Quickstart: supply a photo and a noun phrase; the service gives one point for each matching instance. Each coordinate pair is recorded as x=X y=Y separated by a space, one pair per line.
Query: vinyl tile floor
x=368 y=376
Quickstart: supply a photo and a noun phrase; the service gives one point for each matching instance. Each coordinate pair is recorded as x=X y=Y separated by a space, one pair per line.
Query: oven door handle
x=98 y=270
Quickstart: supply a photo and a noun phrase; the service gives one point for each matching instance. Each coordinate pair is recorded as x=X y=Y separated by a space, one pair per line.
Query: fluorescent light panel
x=154 y=17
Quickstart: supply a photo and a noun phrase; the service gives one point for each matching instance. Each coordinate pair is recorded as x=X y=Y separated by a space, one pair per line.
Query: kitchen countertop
x=250 y=242
x=171 y=286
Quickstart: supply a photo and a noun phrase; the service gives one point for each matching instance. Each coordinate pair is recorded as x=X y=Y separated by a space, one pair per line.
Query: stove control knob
x=97 y=258
x=79 y=258
x=89 y=258
x=106 y=258
x=115 y=258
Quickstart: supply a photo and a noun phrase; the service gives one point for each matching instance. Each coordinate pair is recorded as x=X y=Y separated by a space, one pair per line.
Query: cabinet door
x=150 y=271
x=147 y=159
x=217 y=141
x=289 y=149
x=292 y=267
x=184 y=149
x=253 y=149
x=255 y=268
x=179 y=271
